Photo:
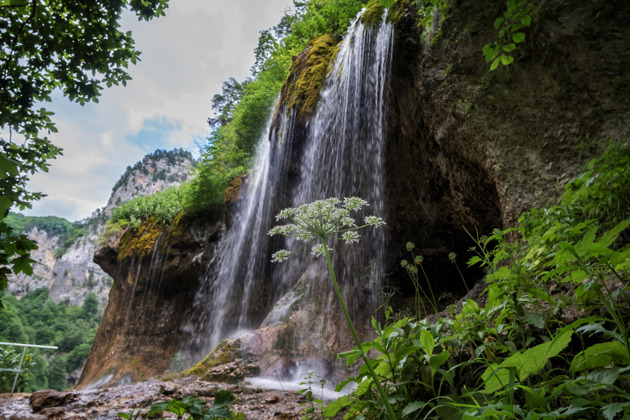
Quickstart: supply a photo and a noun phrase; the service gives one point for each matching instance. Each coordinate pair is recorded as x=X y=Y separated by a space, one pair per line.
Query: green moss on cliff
x=140 y=242
x=308 y=73
x=233 y=191
x=374 y=12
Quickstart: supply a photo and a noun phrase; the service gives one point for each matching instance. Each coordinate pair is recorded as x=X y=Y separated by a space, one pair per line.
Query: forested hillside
x=37 y=319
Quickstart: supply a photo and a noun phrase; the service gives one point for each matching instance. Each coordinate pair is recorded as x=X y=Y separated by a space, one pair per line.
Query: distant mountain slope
x=64 y=258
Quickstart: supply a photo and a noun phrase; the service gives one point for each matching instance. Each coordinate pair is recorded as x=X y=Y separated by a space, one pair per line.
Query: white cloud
x=186 y=57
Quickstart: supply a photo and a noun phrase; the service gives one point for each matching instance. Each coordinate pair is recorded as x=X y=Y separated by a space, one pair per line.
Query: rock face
x=471 y=148
x=466 y=149
x=150 y=313
x=73 y=275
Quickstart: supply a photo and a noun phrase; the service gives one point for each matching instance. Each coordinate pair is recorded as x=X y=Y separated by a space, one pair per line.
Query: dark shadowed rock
x=48 y=398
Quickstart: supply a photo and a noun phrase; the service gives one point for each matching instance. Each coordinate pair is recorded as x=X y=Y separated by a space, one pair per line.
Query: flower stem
x=377 y=382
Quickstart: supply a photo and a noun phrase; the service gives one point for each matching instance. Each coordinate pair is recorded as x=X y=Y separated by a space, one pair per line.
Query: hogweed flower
x=315 y=222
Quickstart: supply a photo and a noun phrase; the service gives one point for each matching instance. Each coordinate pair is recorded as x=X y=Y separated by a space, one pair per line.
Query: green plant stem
x=377 y=382
x=462 y=277
x=434 y=301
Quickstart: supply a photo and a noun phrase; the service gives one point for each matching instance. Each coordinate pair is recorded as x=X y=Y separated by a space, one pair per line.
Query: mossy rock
x=140 y=242
x=308 y=73
x=374 y=12
x=234 y=189
x=224 y=353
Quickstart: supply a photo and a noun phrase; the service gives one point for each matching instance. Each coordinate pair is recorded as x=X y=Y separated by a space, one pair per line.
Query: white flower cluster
x=320 y=220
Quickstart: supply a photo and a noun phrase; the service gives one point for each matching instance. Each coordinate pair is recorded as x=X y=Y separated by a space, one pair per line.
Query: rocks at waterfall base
x=104 y=404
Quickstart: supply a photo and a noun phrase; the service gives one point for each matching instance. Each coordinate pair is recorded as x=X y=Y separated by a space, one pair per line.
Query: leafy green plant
x=550 y=339
x=196 y=409
x=517 y=17
x=316 y=223
x=412 y=271
x=314 y=404
x=132 y=415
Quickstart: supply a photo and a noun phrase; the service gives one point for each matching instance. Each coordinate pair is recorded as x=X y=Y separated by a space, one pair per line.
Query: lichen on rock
x=140 y=242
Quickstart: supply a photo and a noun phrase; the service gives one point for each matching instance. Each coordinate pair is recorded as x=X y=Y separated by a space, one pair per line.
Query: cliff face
x=150 y=311
x=466 y=148
x=471 y=148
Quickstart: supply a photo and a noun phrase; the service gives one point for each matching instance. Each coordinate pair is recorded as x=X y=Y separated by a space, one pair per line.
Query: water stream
x=341 y=156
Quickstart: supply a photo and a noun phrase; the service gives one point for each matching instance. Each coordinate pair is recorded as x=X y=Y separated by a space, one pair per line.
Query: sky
x=186 y=57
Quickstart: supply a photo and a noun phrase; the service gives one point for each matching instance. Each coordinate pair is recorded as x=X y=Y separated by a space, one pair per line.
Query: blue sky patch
x=154 y=134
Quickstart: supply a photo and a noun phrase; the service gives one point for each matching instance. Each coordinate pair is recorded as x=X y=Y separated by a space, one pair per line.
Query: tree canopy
x=74 y=46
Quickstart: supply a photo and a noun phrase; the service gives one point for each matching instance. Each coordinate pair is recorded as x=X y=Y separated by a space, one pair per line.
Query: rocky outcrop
x=469 y=148
x=150 y=312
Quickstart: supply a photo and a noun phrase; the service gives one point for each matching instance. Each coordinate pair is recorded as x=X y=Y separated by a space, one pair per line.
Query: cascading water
x=341 y=156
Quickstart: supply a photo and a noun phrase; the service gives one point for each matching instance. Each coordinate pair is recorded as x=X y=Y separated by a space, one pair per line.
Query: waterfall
x=341 y=156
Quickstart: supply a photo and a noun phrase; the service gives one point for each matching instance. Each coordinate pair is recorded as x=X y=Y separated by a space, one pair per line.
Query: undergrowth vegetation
x=549 y=337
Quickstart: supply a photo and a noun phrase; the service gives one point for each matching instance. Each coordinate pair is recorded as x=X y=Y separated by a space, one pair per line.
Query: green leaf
x=600 y=355
x=526 y=20
x=609 y=411
x=386 y=3
x=497 y=22
x=23 y=264
x=438 y=360
x=413 y=407
x=529 y=362
x=506 y=59
x=518 y=37
x=535 y=320
x=509 y=47
x=224 y=398
x=490 y=52
x=426 y=339
x=5 y=204
x=8 y=167
x=336 y=406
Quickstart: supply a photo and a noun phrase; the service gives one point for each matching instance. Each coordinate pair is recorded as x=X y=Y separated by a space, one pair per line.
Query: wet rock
x=48 y=398
x=274 y=399
x=254 y=403
x=27 y=416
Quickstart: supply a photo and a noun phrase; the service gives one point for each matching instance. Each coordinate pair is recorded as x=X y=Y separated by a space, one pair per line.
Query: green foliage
x=164 y=205
x=195 y=408
x=428 y=12
x=57 y=373
x=74 y=47
x=67 y=232
x=241 y=113
x=10 y=359
x=518 y=16
x=35 y=319
x=552 y=339
x=313 y=404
